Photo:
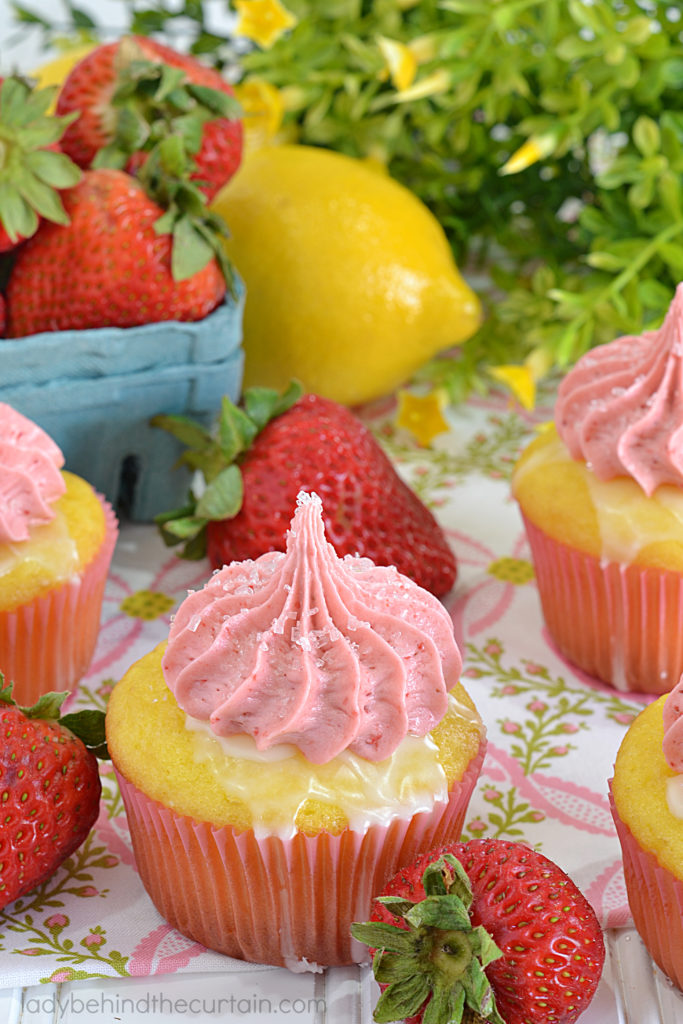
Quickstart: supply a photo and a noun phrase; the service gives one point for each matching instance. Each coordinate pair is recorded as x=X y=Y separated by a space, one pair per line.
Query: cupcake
x=601 y=496
x=647 y=804
x=57 y=537
x=300 y=736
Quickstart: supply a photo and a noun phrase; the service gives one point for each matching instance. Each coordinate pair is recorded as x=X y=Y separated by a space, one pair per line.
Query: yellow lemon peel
x=350 y=280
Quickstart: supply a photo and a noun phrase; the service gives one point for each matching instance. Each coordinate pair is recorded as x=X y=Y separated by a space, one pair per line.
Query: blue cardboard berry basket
x=94 y=392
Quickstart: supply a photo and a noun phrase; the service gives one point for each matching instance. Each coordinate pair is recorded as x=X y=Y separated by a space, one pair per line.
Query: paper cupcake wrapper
x=655 y=897
x=620 y=623
x=48 y=643
x=275 y=901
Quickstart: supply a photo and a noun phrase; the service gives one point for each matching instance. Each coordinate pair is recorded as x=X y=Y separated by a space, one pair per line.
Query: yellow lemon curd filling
x=177 y=761
x=55 y=552
x=641 y=780
x=613 y=520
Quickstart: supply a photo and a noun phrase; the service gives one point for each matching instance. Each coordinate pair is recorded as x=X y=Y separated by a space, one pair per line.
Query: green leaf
x=183 y=528
x=55 y=169
x=236 y=430
x=443 y=912
x=380 y=935
x=647 y=136
x=222 y=498
x=43 y=199
x=190 y=252
x=265 y=404
x=47 y=706
x=17 y=216
x=402 y=999
x=184 y=429
x=88 y=725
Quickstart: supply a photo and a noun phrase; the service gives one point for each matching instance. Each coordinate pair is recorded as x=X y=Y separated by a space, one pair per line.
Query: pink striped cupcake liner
x=655 y=897
x=621 y=623
x=288 y=902
x=48 y=643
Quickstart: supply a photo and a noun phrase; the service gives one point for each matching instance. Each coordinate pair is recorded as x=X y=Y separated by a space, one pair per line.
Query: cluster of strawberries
x=104 y=201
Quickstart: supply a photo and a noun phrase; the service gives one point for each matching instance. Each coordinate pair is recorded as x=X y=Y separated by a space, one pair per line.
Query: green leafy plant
x=584 y=242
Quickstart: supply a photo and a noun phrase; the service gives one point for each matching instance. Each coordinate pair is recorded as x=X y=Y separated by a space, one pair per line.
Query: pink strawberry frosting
x=673 y=728
x=306 y=648
x=30 y=478
x=621 y=407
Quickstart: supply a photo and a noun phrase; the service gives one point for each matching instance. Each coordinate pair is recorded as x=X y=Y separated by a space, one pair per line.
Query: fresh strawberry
x=266 y=453
x=111 y=266
x=483 y=931
x=32 y=167
x=127 y=100
x=49 y=787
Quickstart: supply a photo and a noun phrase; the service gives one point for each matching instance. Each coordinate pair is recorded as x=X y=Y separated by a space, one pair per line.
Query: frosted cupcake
x=300 y=737
x=601 y=496
x=647 y=805
x=57 y=537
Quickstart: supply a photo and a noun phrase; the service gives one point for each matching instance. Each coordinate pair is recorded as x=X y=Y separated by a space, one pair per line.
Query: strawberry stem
x=217 y=456
x=433 y=955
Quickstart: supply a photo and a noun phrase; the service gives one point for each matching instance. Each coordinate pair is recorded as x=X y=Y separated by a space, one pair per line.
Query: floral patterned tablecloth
x=553 y=732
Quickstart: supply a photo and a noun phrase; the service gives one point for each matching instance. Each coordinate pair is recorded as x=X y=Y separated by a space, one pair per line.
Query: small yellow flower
x=512 y=570
x=534 y=149
x=263 y=108
x=422 y=415
x=522 y=380
x=264 y=21
x=401 y=62
x=424 y=48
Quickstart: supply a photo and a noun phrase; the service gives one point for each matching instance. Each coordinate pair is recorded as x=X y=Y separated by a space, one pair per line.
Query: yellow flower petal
x=422 y=415
x=535 y=148
x=520 y=380
x=263 y=108
x=424 y=48
x=431 y=85
x=264 y=21
x=401 y=62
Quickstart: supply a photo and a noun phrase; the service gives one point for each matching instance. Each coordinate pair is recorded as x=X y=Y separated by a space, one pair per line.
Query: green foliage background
x=576 y=249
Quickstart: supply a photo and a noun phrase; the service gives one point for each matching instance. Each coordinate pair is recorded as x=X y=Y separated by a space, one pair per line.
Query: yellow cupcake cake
x=647 y=805
x=57 y=537
x=601 y=496
x=300 y=737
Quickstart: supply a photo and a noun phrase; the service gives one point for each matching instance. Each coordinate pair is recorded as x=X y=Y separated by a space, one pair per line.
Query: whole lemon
x=351 y=283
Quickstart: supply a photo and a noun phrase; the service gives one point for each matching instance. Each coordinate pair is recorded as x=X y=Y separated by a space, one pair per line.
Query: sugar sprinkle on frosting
x=620 y=408
x=305 y=648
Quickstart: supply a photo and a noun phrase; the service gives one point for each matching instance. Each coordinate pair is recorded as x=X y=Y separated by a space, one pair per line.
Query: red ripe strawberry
x=489 y=928
x=49 y=788
x=268 y=452
x=108 y=267
x=32 y=167
x=101 y=88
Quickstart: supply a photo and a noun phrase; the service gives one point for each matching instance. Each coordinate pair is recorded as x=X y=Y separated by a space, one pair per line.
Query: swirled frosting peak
x=620 y=409
x=673 y=728
x=30 y=478
x=308 y=649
